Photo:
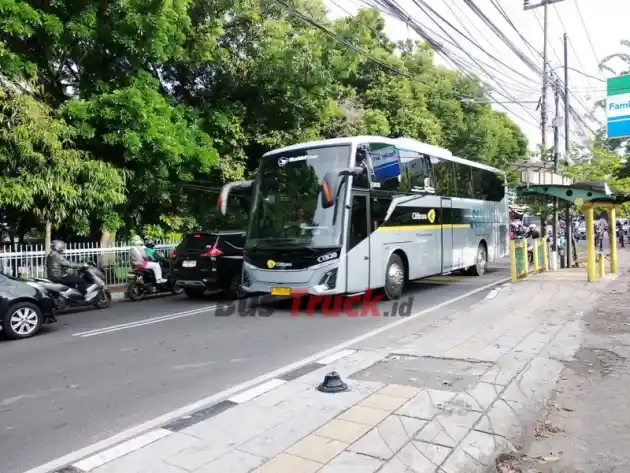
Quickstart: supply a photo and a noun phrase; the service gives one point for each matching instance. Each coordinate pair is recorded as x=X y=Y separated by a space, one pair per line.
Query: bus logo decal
x=271 y=264
x=431 y=215
x=327 y=257
x=282 y=162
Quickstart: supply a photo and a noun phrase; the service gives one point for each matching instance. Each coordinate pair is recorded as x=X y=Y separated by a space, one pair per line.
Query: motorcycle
x=142 y=283
x=66 y=297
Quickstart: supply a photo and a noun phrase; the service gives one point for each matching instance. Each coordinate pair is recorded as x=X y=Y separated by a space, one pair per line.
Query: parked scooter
x=142 y=282
x=66 y=297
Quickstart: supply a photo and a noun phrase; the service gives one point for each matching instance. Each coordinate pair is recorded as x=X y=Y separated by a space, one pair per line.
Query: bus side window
x=378 y=211
x=443 y=176
x=362 y=181
x=463 y=180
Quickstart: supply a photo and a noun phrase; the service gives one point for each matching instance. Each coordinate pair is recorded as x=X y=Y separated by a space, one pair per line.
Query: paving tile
x=399 y=390
x=349 y=462
x=277 y=439
x=417 y=457
x=537 y=381
x=506 y=369
x=364 y=415
x=480 y=397
x=426 y=404
x=381 y=401
x=504 y=419
x=234 y=461
x=476 y=454
x=316 y=448
x=282 y=393
x=284 y=463
x=154 y=453
x=449 y=429
x=388 y=437
x=345 y=431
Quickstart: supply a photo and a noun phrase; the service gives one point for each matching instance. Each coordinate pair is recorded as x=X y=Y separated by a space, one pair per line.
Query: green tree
x=45 y=175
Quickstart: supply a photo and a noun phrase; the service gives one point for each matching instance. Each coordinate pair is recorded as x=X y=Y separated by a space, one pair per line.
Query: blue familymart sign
x=618 y=107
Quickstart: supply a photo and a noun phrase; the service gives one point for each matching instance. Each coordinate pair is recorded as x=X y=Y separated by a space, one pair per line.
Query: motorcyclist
x=152 y=254
x=140 y=259
x=533 y=231
x=59 y=270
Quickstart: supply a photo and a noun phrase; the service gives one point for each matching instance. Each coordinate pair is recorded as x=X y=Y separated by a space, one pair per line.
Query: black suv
x=209 y=261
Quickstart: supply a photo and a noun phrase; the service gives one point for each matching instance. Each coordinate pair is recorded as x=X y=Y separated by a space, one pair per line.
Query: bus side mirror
x=225 y=193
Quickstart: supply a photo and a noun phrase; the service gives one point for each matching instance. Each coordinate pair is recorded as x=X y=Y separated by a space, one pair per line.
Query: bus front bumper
x=320 y=282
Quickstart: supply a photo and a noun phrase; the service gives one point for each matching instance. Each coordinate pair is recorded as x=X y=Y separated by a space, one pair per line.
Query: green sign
x=618 y=107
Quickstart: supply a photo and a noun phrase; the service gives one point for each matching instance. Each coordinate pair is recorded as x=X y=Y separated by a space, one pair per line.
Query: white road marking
x=121 y=449
x=140 y=323
x=336 y=356
x=492 y=294
x=203 y=403
x=257 y=391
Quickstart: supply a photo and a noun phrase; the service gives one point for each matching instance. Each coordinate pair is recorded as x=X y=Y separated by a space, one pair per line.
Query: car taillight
x=214 y=251
x=173 y=253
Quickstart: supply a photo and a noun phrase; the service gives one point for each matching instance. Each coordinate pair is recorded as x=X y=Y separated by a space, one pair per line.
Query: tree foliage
x=180 y=96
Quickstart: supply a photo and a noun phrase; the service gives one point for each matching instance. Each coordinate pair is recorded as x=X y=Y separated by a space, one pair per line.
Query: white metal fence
x=30 y=260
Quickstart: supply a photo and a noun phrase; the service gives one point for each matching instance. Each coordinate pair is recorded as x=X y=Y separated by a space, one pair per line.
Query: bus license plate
x=189 y=264
x=280 y=291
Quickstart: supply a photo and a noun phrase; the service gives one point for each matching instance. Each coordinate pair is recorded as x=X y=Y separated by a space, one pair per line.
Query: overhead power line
x=577 y=5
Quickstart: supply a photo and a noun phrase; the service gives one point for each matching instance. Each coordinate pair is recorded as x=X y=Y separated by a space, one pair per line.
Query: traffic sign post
x=618 y=107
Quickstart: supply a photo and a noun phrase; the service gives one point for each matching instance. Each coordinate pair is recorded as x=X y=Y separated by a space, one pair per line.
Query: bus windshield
x=288 y=206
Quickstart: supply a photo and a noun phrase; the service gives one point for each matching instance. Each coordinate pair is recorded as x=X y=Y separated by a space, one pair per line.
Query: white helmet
x=533 y=226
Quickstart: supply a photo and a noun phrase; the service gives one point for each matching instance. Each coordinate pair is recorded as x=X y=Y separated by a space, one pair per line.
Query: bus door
x=447 y=235
x=358 y=255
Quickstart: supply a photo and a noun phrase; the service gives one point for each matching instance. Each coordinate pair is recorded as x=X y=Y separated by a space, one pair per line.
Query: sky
x=593 y=35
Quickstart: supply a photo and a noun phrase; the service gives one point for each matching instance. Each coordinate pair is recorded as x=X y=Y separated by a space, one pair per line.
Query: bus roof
x=403 y=143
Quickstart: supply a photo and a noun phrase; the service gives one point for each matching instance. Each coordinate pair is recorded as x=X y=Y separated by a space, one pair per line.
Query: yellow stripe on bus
x=399 y=228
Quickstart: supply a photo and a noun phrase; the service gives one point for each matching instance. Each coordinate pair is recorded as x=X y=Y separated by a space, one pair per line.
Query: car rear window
x=198 y=241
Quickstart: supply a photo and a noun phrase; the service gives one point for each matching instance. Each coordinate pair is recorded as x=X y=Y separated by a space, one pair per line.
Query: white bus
x=345 y=215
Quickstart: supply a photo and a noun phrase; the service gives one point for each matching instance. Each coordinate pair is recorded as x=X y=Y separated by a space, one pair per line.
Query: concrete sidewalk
x=440 y=394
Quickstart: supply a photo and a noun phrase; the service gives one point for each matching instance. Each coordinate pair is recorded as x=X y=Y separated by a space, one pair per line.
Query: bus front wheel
x=394 y=277
x=481 y=262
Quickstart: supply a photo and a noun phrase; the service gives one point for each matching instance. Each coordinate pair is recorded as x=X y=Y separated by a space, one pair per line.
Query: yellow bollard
x=602 y=265
x=536 y=268
x=590 y=245
x=545 y=249
x=525 y=259
x=612 y=235
x=513 y=269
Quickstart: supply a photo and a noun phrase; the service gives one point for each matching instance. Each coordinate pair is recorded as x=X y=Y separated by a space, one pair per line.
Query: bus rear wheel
x=394 y=278
x=481 y=262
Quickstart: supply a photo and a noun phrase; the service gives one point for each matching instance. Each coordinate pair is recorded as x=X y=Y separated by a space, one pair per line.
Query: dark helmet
x=58 y=246
x=149 y=243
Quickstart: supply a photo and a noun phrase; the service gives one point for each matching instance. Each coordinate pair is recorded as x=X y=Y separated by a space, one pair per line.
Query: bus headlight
x=330 y=279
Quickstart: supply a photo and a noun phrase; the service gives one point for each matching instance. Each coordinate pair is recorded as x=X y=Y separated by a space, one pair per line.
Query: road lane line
x=121 y=449
x=154 y=320
x=208 y=401
x=257 y=391
x=336 y=356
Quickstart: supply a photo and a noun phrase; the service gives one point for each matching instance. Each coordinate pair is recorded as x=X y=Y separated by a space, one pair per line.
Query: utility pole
x=569 y=220
x=543 y=116
x=556 y=155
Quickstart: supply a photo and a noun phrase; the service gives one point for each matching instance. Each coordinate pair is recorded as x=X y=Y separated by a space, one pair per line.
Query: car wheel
x=481 y=262
x=194 y=293
x=394 y=278
x=22 y=320
x=177 y=290
x=104 y=299
x=136 y=291
x=236 y=288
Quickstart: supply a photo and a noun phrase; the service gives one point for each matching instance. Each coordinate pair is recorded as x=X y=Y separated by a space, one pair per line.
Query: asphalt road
x=96 y=373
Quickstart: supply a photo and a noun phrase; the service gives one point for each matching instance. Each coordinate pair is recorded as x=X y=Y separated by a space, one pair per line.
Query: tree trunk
x=48 y=237
x=108 y=240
